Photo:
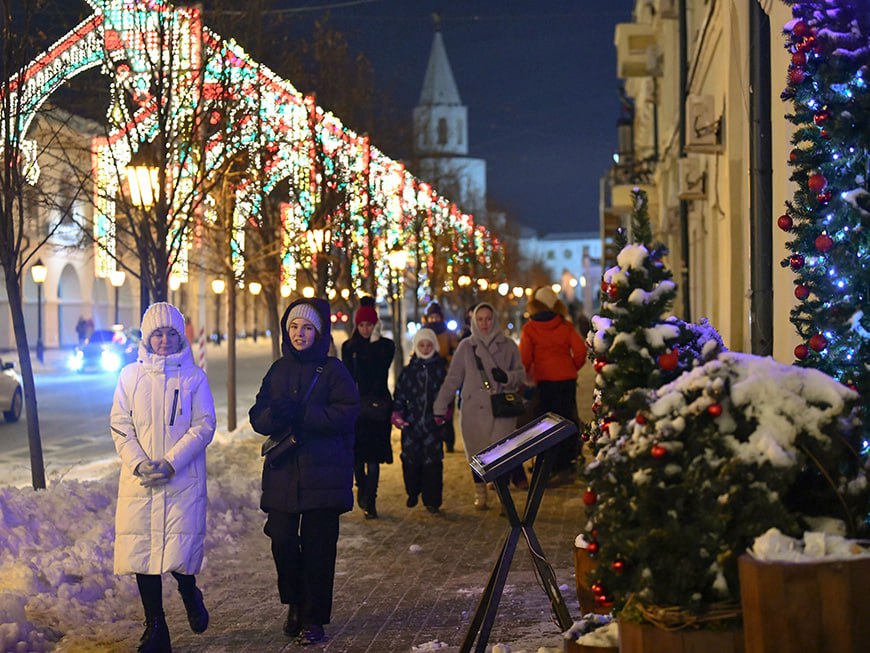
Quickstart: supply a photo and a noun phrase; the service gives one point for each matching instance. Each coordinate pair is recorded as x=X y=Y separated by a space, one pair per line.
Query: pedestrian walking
x=307 y=405
x=448 y=341
x=162 y=421
x=486 y=363
x=422 y=438
x=553 y=353
x=368 y=356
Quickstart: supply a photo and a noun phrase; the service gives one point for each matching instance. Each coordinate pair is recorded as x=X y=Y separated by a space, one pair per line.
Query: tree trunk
x=231 y=355
x=34 y=441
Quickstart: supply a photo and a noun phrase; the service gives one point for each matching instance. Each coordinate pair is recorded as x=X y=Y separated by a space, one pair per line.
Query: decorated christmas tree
x=829 y=215
x=635 y=343
x=729 y=450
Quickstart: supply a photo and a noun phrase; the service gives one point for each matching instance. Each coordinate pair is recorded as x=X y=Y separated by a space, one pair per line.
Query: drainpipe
x=684 y=204
x=760 y=184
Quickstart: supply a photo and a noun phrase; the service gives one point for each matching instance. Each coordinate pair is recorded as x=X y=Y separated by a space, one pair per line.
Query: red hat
x=365 y=314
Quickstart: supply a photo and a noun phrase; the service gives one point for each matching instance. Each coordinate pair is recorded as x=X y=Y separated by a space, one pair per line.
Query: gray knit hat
x=307 y=312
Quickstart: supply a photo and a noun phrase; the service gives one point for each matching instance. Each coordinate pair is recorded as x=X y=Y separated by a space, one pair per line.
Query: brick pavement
x=389 y=598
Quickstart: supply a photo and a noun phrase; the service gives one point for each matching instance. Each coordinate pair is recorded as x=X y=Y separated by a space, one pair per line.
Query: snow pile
x=773 y=546
x=57 y=547
x=596 y=630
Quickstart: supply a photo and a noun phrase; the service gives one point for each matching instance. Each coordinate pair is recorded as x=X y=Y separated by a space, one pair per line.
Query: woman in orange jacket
x=552 y=353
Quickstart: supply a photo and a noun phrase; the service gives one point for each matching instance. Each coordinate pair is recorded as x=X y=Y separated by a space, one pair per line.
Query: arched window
x=442 y=131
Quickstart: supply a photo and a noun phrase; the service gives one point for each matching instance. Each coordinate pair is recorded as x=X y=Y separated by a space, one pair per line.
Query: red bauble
x=592 y=548
x=799 y=58
x=824 y=197
x=796 y=76
x=604 y=285
x=599 y=364
x=801 y=30
x=589 y=497
x=618 y=565
x=801 y=292
x=801 y=352
x=796 y=261
x=640 y=418
x=669 y=360
x=793 y=155
x=824 y=133
x=818 y=342
x=714 y=410
x=596 y=587
x=785 y=222
x=596 y=407
x=585 y=436
x=821 y=117
x=658 y=451
x=817 y=182
x=824 y=243
x=613 y=291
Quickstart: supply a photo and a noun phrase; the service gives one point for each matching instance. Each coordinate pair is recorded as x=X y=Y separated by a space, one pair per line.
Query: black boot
x=311 y=634
x=292 y=627
x=371 y=511
x=197 y=615
x=155 y=639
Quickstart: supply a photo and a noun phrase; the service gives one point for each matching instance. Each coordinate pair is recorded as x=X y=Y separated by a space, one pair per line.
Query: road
x=74 y=409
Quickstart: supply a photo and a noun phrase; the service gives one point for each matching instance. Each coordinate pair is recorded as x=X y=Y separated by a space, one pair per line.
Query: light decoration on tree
x=828 y=217
x=249 y=109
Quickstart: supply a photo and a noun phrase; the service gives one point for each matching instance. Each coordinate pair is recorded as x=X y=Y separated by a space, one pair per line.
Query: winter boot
x=480 y=496
x=311 y=634
x=292 y=626
x=197 y=615
x=155 y=639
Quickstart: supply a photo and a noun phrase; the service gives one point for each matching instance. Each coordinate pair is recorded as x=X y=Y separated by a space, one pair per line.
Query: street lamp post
x=254 y=288
x=217 y=286
x=39 y=272
x=117 y=278
x=398 y=259
x=143 y=185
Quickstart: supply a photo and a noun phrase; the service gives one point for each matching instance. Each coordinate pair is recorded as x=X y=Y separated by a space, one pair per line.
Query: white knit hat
x=162 y=314
x=426 y=334
x=546 y=296
x=308 y=312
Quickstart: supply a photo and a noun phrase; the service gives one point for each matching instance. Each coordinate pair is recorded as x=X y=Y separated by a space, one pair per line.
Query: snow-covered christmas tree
x=829 y=215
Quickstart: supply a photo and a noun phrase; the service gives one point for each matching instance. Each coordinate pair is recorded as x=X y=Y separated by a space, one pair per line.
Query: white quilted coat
x=163 y=408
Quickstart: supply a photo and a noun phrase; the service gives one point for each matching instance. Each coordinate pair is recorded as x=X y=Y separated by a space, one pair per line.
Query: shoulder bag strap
x=486 y=383
x=317 y=372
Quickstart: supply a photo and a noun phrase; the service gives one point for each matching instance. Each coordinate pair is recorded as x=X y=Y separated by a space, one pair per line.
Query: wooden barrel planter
x=583 y=564
x=794 y=607
x=571 y=646
x=637 y=638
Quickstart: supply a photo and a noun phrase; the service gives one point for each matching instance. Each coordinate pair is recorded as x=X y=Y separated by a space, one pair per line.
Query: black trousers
x=367 y=476
x=560 y=397
x=151 y=591
x=304 y=550
x=424 y=479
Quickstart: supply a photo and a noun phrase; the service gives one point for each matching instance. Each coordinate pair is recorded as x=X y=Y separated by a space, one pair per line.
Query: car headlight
x=110 y=361
x=76 y=361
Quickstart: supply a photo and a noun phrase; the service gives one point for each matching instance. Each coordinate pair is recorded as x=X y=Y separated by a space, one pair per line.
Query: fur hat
x=426 y=334
x=162 y=314
x=306 y=312
x=366 y=311
x=546 y=296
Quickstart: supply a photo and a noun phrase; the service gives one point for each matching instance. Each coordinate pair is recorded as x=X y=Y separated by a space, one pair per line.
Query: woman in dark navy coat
x=306 y=490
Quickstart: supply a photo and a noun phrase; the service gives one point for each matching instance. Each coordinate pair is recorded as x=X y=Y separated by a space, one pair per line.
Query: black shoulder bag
x=504 y=404
x=276 y=446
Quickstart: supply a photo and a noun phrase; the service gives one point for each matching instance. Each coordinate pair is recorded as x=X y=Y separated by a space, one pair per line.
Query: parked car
x=106 y=351
x=11 y=394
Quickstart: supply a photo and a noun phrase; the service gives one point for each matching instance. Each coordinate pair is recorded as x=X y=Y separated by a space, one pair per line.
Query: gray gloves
x=154 y=473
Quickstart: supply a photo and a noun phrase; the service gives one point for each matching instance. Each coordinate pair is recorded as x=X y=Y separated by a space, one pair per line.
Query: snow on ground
x=56 y=549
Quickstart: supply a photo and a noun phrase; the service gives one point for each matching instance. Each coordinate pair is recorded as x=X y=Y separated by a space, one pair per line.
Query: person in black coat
x=368 y=356
x=306 y=490
x=422 y=438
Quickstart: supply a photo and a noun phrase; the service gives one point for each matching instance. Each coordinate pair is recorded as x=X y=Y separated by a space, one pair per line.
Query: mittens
x=285 y=409
x=440 y=420
x=154 y=473
x=499 y=375
x=397 y=420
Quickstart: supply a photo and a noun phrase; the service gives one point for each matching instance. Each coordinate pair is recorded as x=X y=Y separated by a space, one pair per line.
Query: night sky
x=539 y=80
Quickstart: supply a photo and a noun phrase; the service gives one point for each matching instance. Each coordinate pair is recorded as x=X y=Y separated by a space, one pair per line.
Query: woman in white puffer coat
x=162 y=420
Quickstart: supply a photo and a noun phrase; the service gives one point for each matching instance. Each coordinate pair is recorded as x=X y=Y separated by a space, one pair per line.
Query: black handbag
x=504 y=404
x=375 y=409
x=277 y=446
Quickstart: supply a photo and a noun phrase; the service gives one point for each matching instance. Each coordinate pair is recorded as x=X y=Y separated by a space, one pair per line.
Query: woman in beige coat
x=503 y=368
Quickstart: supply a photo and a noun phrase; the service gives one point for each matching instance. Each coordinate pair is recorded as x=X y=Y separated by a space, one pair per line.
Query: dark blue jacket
x=317 y=474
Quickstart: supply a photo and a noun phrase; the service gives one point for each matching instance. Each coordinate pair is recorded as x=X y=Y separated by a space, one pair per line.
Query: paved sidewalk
x=408 y=579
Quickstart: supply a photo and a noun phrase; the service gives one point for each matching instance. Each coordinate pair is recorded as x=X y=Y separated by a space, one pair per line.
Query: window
x=442 y=131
